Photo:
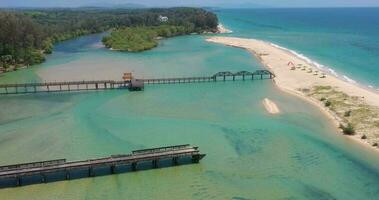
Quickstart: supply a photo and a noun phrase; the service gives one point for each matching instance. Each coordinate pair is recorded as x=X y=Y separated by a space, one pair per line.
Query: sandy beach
x=298 y=77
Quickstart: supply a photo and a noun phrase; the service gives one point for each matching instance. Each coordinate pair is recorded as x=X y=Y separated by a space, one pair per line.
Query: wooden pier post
x=243 y=77
x=175 y=161
x=234 y=77
x=261 y=76
x=43 y=178
x=48 y=89
x=155 y=163
x=90 y=172
x=134 y=166
x=195 y=158
x=67 y=175
x=18 y=181
x=96 y=86
x=60 y=87
x=113 y=169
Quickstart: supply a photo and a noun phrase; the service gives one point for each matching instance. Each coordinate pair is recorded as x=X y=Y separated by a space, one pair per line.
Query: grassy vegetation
x=347 y=113
x=356 y=116
x=328 y=103
x=137 y=39
x=348 y=130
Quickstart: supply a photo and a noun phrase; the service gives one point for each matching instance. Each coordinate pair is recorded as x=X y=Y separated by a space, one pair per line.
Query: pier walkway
x=154 y=155
x=22 y=88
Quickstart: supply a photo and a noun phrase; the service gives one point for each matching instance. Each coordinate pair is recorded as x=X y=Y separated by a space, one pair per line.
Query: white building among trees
x=163 y=18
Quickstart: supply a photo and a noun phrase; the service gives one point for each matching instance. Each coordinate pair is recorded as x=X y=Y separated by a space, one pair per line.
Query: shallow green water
x=250 y=154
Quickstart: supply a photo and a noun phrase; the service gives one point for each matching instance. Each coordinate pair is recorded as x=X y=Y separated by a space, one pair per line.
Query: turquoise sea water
x=343 y=39
x=250 y=154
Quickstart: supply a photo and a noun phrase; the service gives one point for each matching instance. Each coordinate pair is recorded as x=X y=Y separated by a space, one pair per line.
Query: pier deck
x=173 y=153
x=22 y=88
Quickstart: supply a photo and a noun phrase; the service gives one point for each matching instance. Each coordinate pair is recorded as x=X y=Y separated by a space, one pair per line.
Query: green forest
x=142 y=38
x=27 y=35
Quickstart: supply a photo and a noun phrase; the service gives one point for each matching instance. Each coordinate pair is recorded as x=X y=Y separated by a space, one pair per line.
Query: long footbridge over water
x=45 y=170
x=133 y=84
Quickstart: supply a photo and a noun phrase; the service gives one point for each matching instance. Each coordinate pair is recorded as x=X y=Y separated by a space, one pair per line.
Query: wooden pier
x=155 y=155
x=132 y=84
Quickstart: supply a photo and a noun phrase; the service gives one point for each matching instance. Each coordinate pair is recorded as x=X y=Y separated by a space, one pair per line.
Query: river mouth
x=249 y=153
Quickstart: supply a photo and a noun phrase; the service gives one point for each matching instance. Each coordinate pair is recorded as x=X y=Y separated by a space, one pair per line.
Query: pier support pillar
x=195 y=158
x=48 y=88
x=155 y=163
x=243 y=77
x=134 y=166
x=261 y=76
x=252 y=77
x=113 y=169
x=43 y=178
x=234 y=78
x=68 y=175
x=224 y=78
x=35 y=89
x=18 y=181
x=6 y=90
x=96 y=86
x=90 y=172
x=175 y=160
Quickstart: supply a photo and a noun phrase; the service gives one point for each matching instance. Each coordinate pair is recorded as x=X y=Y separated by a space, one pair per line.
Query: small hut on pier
x=127 y=76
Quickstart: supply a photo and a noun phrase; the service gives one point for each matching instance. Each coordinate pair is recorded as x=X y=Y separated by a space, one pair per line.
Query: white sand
x=293 y=80
x=270 y=106
x=277 y=60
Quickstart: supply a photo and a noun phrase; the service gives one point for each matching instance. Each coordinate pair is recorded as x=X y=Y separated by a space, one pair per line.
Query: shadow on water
x=87 y=173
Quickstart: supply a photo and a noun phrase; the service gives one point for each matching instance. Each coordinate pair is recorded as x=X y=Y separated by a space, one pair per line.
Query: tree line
x=27 y=35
